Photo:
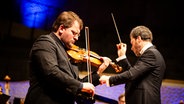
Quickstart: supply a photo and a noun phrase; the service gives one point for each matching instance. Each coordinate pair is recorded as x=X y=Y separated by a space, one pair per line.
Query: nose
x=132 y=48
x=76 y=37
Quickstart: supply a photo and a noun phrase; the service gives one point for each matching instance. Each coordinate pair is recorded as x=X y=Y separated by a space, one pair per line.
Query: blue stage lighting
x=38 y=13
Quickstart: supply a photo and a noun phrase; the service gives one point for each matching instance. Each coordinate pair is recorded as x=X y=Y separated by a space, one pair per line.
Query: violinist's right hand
x=104 y=65
x=88 y=88
x=121 y=49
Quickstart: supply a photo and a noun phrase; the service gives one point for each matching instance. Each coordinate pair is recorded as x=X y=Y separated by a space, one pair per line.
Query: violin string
x=95 y=56
x=116 y=67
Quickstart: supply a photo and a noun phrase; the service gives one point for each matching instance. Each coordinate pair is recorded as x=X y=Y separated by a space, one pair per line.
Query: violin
x=80 y=55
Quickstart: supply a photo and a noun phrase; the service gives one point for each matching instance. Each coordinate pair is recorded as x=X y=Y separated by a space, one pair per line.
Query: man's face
x=136 y=47
x=70 y=35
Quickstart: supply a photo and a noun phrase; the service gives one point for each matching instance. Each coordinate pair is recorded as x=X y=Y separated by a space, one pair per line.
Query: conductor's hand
x=121 y=49
x=104 y=65
x=88 y=88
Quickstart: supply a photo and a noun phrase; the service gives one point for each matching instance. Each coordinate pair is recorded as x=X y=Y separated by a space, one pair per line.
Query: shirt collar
x=145 y=47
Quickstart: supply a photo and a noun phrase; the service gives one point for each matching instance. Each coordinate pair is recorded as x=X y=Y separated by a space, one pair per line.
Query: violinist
x=54 y=79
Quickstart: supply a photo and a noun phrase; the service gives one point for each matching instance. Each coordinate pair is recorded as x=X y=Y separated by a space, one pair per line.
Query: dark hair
x=143 y=32
x=66 y=19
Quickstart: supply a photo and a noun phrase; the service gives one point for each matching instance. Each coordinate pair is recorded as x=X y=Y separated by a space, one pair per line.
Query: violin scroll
x=116 y=67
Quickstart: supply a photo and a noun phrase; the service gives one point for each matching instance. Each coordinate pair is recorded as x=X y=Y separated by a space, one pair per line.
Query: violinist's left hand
x=104 y=65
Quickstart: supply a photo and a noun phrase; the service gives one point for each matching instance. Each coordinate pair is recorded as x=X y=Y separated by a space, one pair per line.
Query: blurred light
x=38 y=13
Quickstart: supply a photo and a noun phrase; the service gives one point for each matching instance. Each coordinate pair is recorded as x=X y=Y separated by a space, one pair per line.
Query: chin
x=69 y=45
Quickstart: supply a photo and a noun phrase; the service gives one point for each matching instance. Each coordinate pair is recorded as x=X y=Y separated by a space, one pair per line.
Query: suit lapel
x=61 y=46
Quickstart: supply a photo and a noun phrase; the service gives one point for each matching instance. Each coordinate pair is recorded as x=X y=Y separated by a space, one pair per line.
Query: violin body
x=81 y=55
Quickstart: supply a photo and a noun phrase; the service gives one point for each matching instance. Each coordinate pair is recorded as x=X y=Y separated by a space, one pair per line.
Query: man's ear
x=61 y=27
x=139 y=38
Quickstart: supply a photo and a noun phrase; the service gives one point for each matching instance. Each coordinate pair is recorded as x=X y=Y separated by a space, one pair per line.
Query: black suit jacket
x=143 y=80
x=53 y=78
